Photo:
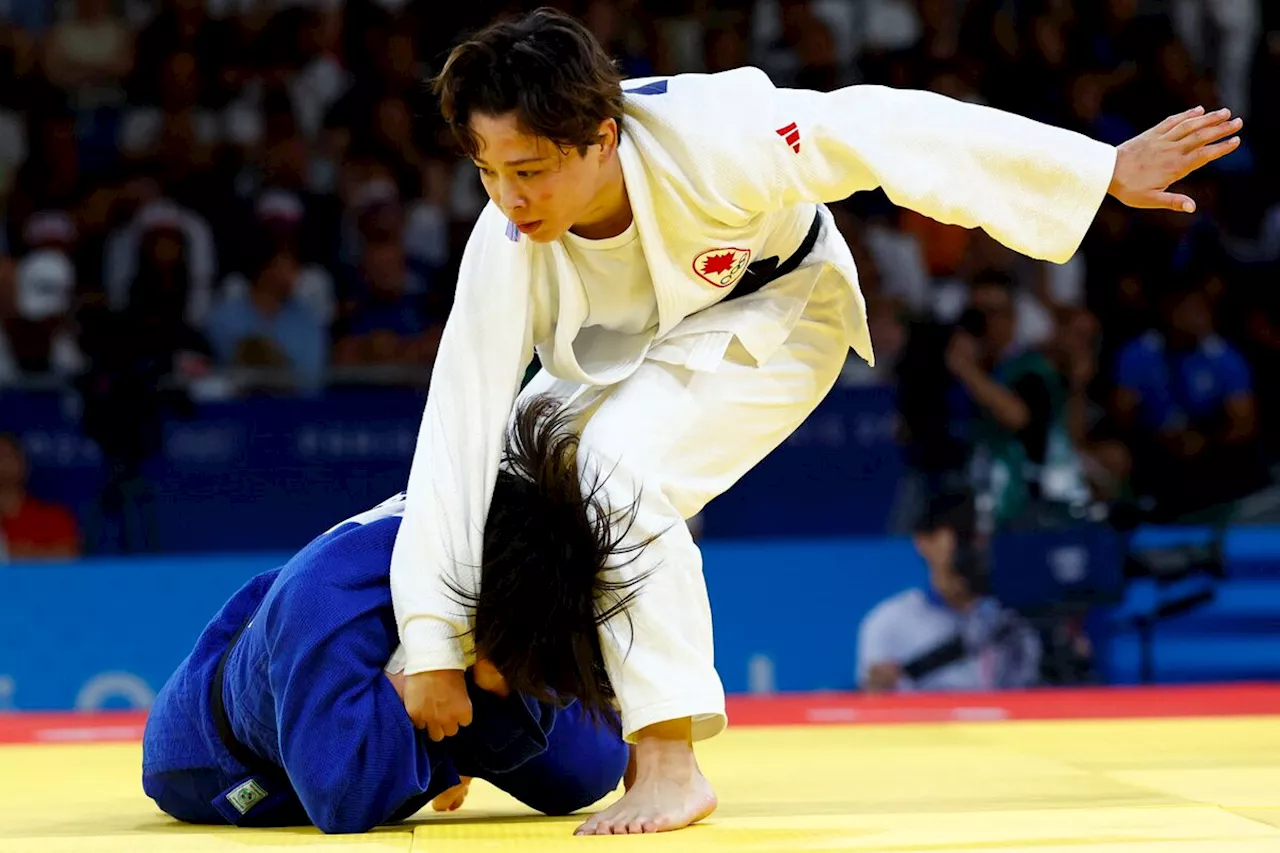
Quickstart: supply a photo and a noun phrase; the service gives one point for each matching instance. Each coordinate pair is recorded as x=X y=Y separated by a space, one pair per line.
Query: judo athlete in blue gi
x=283 y=714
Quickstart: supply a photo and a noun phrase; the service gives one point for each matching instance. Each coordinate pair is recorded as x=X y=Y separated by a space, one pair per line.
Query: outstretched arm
x=1033 y=187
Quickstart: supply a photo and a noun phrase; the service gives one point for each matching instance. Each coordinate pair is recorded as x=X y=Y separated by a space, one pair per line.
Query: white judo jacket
x=721 y=170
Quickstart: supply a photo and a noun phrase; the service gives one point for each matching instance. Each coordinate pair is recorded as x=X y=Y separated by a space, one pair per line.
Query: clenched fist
x=438 y=702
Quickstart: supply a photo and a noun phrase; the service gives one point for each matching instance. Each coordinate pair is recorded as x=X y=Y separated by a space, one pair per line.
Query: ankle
x=669 y=730
x=665 y=750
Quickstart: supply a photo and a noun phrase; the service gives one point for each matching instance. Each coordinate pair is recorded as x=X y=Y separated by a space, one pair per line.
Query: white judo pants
x=678 y=438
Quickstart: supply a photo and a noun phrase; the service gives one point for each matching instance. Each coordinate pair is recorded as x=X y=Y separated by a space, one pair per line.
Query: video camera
x=1060 y=565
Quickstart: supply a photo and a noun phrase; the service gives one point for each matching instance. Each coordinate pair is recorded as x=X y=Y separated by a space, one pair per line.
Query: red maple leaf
x=718 y=263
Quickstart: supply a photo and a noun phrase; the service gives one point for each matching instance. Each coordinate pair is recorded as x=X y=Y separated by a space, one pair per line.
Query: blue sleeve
x=874 y=642
x=346 y=742
x=1234 y=372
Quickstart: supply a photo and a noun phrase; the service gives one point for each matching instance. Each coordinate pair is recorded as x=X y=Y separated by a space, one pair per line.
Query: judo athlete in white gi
x=284 y=714
x=663 y=246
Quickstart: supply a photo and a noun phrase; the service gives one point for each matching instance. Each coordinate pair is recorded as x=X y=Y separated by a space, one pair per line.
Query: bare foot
x=668 y=792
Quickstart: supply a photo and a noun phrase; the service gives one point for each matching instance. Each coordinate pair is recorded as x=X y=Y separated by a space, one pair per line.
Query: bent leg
x=680 y=438
x=187 y=795
x=583 y=763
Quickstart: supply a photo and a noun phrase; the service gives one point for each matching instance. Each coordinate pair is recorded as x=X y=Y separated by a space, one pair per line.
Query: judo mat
x=1169 y=770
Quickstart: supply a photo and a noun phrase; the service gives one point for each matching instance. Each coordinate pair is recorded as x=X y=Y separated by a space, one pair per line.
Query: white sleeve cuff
x=431 y=644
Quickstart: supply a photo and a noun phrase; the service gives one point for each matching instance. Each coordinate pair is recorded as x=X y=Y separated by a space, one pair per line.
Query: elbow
x=345 y=825
x=340 y=816
x=336 y=806
x=1016 y=417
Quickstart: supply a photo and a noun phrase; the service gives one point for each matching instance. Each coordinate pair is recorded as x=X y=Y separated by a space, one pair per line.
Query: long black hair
x=548 y=539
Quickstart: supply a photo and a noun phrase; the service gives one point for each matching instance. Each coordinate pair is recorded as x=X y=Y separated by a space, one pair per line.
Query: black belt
x=768 y=270
x=254 y=763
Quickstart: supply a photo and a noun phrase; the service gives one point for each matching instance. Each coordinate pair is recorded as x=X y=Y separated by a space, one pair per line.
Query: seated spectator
x=387 y=321
x=53 y=177
x=36 y=332
x=90 y=52
x=279 y=215
x=88 y=55
x=271 y=326
x=1185 y=398
x=142 y=127
x=30 y=529
x=132 y=247
x=952 y=635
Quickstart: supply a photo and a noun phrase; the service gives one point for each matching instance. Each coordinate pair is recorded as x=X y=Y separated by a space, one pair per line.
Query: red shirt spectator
x=30 y=529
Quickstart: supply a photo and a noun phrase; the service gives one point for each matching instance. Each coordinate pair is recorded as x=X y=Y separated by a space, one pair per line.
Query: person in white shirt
x=951 y=635
x=664 y=247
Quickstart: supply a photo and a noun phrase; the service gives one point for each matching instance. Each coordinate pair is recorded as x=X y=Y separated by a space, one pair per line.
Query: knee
x=587 y=786
x=579 y=774
x=185 y=795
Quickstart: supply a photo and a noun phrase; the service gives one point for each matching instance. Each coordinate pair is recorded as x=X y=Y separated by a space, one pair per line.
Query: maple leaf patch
x=722 y=267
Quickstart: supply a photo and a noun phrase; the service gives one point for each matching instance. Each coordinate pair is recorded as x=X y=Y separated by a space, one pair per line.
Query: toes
x=595 y=825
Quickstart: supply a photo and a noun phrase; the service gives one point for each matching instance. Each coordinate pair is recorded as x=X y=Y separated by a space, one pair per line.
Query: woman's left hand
x=1147 y=164
x=452 y=799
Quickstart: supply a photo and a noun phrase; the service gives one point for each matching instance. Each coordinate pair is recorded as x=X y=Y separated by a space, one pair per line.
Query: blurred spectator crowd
x=217 y=197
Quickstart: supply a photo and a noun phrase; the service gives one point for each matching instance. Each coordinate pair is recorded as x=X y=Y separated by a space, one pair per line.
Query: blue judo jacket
x=304 y=691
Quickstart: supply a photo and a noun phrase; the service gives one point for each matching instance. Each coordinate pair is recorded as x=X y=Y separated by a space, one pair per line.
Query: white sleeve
x=875 y=644
x=484 y=351
x=1033 y=187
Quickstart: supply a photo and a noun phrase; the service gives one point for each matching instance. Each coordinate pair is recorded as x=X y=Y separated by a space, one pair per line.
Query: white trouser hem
x=709 y=717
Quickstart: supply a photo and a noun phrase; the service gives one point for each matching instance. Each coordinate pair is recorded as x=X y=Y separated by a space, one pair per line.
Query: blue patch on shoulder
x=658 y=87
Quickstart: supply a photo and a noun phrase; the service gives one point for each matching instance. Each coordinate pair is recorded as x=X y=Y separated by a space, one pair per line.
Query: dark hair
x=956 y=510
x=546 y=67
x=993 y=277
x=1178 y=285
x=543 y=596
x=262 y=253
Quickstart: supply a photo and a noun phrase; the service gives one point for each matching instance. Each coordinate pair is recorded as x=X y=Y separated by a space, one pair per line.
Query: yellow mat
x=1134 y=786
